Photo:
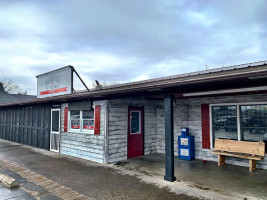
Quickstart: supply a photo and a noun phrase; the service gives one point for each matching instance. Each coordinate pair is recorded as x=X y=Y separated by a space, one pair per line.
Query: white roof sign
x=57 y=82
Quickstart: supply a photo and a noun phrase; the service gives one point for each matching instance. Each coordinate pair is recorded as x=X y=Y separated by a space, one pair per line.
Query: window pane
x=75 y=124
x=135 y=122
x=224 y=122
x=75 y=114
x=88 y=114
x=55 y=121
x=253 y=122
x=88 y=124
x=54 y=141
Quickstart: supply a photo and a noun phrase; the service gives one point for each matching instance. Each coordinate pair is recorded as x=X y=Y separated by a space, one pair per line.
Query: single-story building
x=123 y=121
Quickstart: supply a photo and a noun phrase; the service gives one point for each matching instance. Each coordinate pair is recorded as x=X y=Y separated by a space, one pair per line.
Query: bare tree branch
x=11 y=87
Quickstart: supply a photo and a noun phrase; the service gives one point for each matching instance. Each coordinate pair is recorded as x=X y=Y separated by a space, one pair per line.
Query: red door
x=135 y=132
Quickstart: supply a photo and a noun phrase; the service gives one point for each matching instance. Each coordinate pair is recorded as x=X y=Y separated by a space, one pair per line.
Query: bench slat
x=253 y=148
x=238 y=155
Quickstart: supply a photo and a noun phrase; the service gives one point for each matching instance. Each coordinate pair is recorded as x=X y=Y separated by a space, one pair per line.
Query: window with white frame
x=246 y=122
x=81 y=120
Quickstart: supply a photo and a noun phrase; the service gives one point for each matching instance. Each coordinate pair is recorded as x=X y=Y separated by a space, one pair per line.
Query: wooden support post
x=169 y=141
x=221 y=160
x=252 y=165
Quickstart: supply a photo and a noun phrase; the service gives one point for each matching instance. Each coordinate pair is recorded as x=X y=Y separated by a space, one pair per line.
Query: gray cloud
x=126 y=41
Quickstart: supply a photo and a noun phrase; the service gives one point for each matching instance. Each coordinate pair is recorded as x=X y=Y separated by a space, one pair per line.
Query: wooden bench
x=252 y=151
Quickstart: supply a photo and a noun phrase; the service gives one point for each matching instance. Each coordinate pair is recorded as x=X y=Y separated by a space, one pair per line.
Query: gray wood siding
x=180 y=117
x=118 y=127
x=84 y=145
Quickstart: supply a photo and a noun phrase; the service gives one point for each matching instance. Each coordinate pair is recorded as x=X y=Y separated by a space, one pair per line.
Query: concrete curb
x=8 y=181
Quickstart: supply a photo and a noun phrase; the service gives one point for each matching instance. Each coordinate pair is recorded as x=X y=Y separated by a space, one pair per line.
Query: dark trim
x=72 y=80
x=73 y=70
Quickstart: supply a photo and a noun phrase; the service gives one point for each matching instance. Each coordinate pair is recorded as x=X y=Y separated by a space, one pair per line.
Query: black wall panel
x=26 y=125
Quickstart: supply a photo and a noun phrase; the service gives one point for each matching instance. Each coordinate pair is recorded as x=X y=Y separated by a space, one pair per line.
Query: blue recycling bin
x=186 y=145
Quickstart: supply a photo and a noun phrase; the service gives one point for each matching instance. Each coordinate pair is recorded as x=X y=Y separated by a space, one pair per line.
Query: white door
x=55 y=130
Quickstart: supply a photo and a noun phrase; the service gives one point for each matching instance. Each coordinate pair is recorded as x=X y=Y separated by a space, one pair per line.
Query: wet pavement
x=88 y=178
x=38 y=186
x=14 y=194
x=138 y=178
x=230 y=180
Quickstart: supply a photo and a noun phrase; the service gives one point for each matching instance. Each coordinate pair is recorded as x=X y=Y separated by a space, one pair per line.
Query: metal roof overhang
x=231 y=79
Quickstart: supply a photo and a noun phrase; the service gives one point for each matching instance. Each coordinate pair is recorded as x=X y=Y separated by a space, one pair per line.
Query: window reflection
x=253 y=122
x=224 y=122
x=135 y=122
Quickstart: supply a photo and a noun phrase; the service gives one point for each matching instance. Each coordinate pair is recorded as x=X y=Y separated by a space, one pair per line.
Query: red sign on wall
x=75 y=126
x=88 y=127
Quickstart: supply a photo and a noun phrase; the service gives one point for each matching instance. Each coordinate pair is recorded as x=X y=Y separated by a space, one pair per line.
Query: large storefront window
x=224 y=122
x=239 y=122
x=253 y=122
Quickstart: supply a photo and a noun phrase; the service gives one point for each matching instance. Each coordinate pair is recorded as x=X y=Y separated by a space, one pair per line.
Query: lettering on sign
x=184 y=141
x=88 y=127
x=184 y=152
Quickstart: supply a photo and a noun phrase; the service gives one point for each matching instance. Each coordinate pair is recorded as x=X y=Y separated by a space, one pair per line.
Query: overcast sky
x=128 y=40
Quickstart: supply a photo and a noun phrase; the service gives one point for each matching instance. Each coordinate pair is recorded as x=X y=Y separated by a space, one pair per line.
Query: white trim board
x=250 y=89
x=59 y=131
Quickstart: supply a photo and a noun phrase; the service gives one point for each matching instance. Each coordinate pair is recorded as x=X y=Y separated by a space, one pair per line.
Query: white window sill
x=82 y=132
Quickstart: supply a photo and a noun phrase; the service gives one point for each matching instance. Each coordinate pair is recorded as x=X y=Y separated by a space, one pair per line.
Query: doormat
x=120 y=163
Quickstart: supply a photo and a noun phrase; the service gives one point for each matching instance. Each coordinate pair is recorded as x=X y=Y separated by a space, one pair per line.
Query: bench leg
x=252 y=165
x=221 y=160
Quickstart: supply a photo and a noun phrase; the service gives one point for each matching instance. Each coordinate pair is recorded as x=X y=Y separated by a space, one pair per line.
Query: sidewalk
x=35 y=186
x=50 y=176
x=229 y=180
x=87 y=178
